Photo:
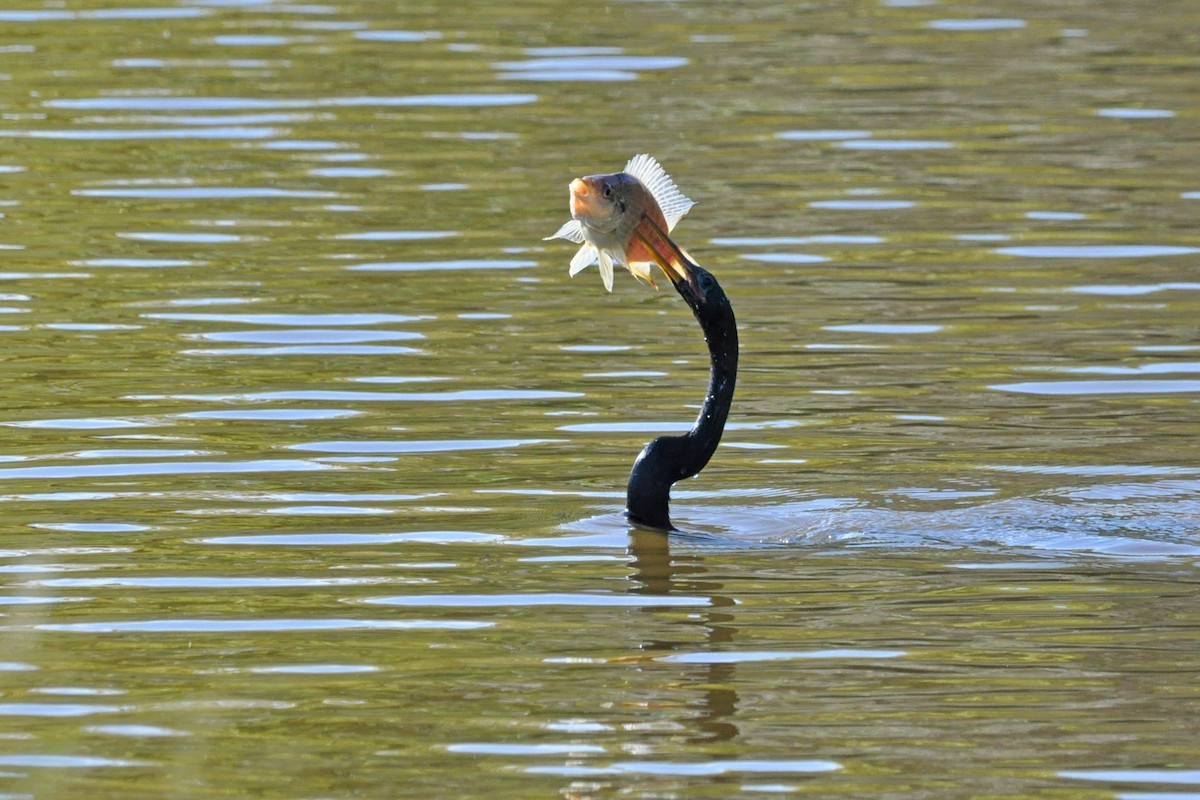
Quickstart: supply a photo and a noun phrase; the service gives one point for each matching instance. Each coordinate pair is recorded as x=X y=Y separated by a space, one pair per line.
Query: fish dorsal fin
x=674 y=203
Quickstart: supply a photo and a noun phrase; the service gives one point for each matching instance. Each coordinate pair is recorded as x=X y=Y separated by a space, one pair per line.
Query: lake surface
x=312 y=457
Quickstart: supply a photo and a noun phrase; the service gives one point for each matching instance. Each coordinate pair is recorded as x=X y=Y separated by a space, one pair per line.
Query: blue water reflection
x=585 y=66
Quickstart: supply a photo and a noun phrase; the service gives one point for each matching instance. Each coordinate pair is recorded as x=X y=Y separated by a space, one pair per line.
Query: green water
x=312 y=457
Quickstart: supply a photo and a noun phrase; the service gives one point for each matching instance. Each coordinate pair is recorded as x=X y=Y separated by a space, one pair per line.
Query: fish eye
x=607 y=191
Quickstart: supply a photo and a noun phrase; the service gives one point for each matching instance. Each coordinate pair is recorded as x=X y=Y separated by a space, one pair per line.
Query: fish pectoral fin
x=571 y=231
x=583 y=259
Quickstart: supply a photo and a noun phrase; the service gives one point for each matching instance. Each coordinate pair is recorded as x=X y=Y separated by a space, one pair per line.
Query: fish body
x=624 y=218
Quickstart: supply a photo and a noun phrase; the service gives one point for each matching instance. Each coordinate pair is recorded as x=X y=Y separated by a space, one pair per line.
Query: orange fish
x=625 y=218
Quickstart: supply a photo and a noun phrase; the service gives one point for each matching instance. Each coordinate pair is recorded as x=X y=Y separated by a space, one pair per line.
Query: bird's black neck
x=668 y=459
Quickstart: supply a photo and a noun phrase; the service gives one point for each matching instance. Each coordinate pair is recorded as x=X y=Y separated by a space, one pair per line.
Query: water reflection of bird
x=626 y=218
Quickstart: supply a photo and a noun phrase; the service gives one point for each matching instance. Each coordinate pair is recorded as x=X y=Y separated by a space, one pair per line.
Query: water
x=313 y=456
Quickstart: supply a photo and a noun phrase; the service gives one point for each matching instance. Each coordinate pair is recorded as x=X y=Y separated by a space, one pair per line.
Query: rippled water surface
x=312 y=457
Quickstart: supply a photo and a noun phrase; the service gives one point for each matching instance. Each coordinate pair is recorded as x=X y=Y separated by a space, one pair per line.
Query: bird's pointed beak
x=669 y=257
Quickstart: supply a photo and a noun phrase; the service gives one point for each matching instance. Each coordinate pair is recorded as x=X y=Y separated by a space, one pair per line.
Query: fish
x=625 y=218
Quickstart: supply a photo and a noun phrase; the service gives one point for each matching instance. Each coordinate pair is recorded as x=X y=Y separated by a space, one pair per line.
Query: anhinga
x=626 y=218
x=669 y=459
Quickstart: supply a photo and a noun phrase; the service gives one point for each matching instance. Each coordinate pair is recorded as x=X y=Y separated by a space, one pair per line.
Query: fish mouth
x=678 y=268
x=583 y=207
x=579 y=203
